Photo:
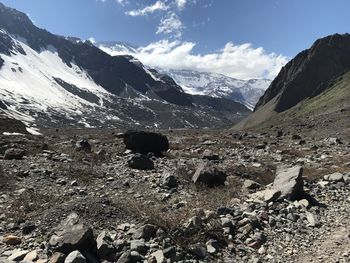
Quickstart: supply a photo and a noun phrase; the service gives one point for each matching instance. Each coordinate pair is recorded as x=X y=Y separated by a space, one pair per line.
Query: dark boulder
x=141 y=162
x=72 y=234
x=209 y=175
x=146 y=142
x=83 y=145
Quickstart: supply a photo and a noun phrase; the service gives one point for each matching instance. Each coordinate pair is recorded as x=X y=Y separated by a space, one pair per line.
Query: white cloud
x=181 y=4
x=157 y=6
x=170 y=24
x=121 y=2
x=237 y=61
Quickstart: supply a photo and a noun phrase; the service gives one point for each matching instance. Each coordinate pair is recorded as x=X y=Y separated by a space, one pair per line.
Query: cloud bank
x=237 y=61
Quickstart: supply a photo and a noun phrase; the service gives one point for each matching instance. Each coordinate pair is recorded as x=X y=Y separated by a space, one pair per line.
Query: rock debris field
x=179 y=196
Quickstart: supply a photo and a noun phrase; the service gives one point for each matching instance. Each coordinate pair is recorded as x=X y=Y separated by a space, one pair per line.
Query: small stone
x=12 y=240
x=125 y=257
x=335 y=177
x=83 y=145
x=199 y=251
x=18 y=255
x=145 y=232
x=157 y=257
x=104 y=245
x=31 y=256
x=57 y=257
x=170 y=181
x=75 y=257
x=137 y=245
x=312 y=219
x=251 y=185
x=304 y=203
x=213 y=246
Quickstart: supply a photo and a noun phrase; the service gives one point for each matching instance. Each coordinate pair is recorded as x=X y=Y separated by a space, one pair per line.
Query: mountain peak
x=308 y=74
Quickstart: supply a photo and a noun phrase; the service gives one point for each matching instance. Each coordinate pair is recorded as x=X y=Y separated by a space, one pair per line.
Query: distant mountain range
x=54 y=81
x=215 y=85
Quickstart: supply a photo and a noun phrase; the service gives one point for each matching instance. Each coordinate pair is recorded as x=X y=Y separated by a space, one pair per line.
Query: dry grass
x=6 y=181
x=83 y=173
x=171 y=221
x=30 y=201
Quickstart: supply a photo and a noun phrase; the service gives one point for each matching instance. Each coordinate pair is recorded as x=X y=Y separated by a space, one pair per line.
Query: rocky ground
x=214 y=196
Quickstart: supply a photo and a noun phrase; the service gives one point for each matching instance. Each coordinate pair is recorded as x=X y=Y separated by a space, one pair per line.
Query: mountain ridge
x=304 y=83
x=54 y=81
x=201 y=83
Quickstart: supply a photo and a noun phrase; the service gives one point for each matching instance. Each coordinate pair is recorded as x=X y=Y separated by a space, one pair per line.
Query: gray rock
x=312 y=220
x=145 y=232
x=14 y=154
x=138 y=245
x=209 y=155
x=169 y=180
x=251 y=185
x=105 y=245
x=31 y=256
x=213 y=246
x=209 y=175
x=199 y=251
x=267 y=195
x=125 y=257
x=83 y=145
x=75 y=257
x=72 y=234
x=333 y=141
x=141 y=162
x=193 y=225
x=57 y=257
x=290 y=183
x=335 y=177
x=157 y=257
x=169 y=252
x=18 y=255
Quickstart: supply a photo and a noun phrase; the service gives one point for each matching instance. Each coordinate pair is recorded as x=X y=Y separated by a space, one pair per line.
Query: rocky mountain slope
x=215 y=85
x=307 y=82
x=53 y=81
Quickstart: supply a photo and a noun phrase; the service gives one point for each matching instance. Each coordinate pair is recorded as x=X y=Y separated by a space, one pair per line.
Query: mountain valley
x=104 y=159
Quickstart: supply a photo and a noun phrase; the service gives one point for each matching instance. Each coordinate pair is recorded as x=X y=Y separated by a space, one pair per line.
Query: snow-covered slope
x=54 y=81
x=41 y=90
x=216 y=85
x=247 y=92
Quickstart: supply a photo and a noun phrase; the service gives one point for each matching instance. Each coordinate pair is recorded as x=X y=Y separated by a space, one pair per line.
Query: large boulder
x=209 y=175
x=72 y=234
x=141 y=162
x=145 y=142
x=289 y=182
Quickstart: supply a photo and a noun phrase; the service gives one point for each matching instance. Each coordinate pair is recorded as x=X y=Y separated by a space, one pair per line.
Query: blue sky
x=275 y=29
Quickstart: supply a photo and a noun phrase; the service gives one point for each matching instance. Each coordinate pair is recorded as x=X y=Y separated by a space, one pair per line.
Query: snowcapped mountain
x=215 y=85
x=52 y=81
